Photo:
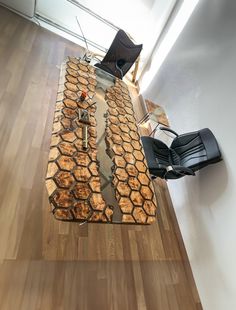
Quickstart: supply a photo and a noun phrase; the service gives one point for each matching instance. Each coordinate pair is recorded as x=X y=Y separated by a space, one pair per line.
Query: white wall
x=197 y=86
x=25 y=7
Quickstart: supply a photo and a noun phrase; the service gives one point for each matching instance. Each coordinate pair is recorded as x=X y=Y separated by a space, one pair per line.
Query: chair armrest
x=169 y=130
x=176 y=168
x=178 y=171
x=184 y=170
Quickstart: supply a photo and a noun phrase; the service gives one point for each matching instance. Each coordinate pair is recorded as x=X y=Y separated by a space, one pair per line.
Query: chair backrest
x=195 y=149
x=121 y=55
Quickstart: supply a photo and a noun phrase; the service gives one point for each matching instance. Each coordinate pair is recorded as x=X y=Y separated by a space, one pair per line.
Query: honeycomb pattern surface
x=131 y=180
x=73 y=180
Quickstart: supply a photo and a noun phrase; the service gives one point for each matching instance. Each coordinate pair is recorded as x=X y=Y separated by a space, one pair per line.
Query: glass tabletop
x=105 y=81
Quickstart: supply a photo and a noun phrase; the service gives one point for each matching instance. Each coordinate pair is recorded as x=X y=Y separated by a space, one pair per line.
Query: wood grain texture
x=73 y=193
x=131 y=179
x=46 y=264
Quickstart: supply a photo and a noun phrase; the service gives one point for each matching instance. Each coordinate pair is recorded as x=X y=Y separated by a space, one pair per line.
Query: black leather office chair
x=188 y=153
x=120 y=56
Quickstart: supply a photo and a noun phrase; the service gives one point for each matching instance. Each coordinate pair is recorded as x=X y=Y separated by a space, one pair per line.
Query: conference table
x=97 y=171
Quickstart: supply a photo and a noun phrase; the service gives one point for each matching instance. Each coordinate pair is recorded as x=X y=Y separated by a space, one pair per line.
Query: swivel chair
x=120 y=56
x=188 y=153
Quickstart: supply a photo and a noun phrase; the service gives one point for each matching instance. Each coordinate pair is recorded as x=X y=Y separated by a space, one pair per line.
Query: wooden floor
x=46 y=264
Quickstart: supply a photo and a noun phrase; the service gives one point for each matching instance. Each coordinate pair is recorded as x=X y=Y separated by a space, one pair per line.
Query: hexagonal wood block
x=63 y=198
x=71 y=95
x=68 y=136
x=120 y=104
x=121 y=111
x=66 y=162
x=93 y=155
x=136 y=198
x=66 y=123
x=132 y=126
x=112 y=111
x=51 y=186
x=127 y=218
x=151 y=219
x=116 y=138
x=83 y=67
x=126 y=97
x=122 y=119
x=82 y=159
x=131 y=170
x=118 y=97
x=140 y=166
x=120 y=162
x=139 y=215
x=72 y=72
x=143 y=179
x=66 y=148
x=134 y=183
x=71 y=79
x=128 y=147
x=109 y=213
x=81 y=210
x=134 y=135
x=79 y=132
x=64 y=179
x=111 y=103
x=124 y=128
x=82 y=174
x=98 y=216
x=56 y=127
x=82 y=80
x=97 y=202
x=138 y=155
x=70 y=103
x=72 y=65
x=121 y=174
x=149 y=207
x=55 y=139
x=146 y=192
x=79 y=145
x=129 y=158
x=136 y=145
x=71 y=86
x=126 y=205
x=118 y=150
x=92 y=131
x=123 y=189
x=83 y=74
x=110 y=96
x=70 y=113
x=95 y=184
x=91 y=87
x=93 y=169
x=81 y=191
x=126 y=137
x=74 y=60
x=53 y=154
x=62 y=214
x=52 y=170
x=114 y=129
